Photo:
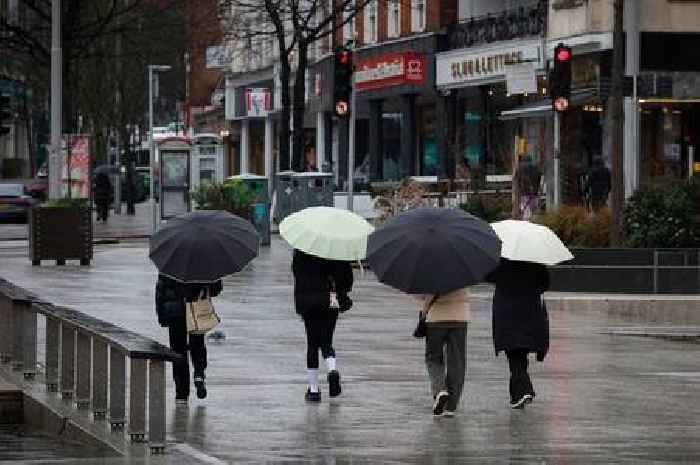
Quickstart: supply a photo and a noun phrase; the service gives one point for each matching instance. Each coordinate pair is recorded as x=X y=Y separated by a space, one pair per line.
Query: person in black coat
x=104 y=196
x=520 y=321
x=171 y=296
x=321 y=290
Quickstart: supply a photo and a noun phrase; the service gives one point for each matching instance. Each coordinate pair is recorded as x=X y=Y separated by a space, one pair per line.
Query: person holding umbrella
x=519 y=319
x=325 y=241
x=437 y=254
x=104 y=195
x=192 y=253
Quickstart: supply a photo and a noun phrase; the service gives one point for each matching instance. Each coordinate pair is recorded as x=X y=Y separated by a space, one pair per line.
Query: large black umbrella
x=433 y=251
x=109 y=170
x=204 y=246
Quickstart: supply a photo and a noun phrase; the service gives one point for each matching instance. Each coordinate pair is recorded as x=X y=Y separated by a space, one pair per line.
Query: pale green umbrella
x=327 y=232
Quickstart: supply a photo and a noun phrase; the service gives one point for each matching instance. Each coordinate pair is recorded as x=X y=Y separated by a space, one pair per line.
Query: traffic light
x=560 y=78
x=5 y=114
x=342 y=86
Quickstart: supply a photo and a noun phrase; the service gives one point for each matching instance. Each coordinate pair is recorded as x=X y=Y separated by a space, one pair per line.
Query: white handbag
x=201 y=316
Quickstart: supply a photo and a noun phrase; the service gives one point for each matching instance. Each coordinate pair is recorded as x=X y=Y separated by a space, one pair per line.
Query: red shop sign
x=392 y=69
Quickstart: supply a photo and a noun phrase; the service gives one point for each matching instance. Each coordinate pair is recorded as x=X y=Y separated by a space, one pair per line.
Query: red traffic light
x=344 y=58
x=563 y=54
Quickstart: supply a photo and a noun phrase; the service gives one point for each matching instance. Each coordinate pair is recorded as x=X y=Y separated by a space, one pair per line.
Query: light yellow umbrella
x=327 y=232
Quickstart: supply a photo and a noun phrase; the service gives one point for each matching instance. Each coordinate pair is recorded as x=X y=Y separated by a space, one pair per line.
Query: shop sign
x=469 y=67
x=257 y=101
x=392 y=69
x=521 y=79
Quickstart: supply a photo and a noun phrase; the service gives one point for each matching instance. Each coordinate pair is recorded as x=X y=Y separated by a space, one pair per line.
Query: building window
x=394 y=18
x=417 y=15
x=348 y=27
x=370 y=35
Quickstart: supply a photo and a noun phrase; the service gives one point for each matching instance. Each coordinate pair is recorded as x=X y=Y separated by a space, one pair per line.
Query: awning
x=543 y=108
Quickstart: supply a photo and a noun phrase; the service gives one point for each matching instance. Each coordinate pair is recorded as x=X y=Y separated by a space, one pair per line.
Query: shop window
x=348 y=27
x=418 y=15
x=371 y=17
x=394 y=18
x=428 y=149
x=391 y=126
x=667 y=142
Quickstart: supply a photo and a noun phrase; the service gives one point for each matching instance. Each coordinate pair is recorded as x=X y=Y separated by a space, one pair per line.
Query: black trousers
x=520 y=383
x=198 y=354
x=102 y=211
x=320 y=326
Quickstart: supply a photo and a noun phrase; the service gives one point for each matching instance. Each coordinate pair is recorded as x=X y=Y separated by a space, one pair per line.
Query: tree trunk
x=299 y=109
x=285 y=72
x=615 y=123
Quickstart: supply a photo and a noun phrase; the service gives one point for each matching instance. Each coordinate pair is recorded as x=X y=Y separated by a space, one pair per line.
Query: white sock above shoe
x=330 y=363
x=313 y=379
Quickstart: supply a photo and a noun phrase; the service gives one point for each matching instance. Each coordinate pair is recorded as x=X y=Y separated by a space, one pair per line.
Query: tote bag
x=201 y=316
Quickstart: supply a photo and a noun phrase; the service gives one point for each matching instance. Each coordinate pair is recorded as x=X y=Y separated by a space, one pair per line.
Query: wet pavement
x=601 y=397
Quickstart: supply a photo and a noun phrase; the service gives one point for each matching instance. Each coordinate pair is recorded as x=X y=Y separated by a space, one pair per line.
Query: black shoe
x=440 y=402
x=312 y=396
x=201 y=387
x=334 y=389
x=519 y=402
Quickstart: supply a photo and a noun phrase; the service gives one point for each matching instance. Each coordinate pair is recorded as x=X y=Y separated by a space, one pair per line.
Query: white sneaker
x=182 y=402
x=448 y=413
x=440 y=402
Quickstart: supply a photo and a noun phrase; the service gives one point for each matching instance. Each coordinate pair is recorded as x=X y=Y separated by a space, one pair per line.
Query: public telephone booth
x=207 y=160
x=173 y=159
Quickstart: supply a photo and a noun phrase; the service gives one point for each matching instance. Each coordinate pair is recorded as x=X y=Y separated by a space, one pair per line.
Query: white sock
x=313 y=379
x=330 y=363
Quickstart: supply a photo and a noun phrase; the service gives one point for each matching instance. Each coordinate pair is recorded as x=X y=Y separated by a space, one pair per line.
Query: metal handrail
x=83 y=352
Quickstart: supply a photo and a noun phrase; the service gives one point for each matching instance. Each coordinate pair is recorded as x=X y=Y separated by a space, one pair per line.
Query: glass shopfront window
x=668 y=136
x=427 y=143
x=391 y=126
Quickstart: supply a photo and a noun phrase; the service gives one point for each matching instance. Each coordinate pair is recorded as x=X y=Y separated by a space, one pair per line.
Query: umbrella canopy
x=106 y=169
x=528 y=242
x=204 y=246
x=429 y=251
x=327 y=232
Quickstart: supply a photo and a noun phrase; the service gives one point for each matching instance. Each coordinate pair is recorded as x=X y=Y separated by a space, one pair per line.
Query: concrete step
x=10 y=404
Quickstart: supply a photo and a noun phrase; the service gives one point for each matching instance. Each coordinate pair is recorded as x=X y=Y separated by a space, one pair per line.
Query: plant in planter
x=577 y=227
x=488 y=207
x=232 y=196
x=407 y=196
x=61 y=230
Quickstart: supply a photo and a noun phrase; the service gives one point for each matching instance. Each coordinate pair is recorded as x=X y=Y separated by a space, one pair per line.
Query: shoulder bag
x=200 y=313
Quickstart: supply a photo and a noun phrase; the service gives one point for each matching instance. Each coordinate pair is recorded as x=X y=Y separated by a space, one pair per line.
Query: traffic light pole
x=56 y=152
x=351 y=150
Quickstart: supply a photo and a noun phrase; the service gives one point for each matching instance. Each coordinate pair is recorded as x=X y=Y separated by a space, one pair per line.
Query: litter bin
x=311 y=189
x=260 y=209
x=283 y=194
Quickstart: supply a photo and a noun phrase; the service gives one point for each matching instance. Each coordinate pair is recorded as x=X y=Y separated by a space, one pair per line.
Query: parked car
x=15 y=203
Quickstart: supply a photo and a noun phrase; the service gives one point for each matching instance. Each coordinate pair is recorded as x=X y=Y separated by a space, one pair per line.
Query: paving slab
x=601 y=398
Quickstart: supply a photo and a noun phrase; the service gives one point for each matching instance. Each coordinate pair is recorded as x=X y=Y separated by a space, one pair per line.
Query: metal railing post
x=156 y=406
x=137 y=399
x=67 y=360
x=656 y=271
x=100 y=365
x=117 y=389
x=6 y=329
x=84 y=374
x=28 y=341
x=17 y=336
x=53 y=348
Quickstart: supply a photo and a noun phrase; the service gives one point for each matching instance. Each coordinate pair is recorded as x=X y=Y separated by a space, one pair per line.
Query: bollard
x=53 y=347
x=100 y=361
x=67 y=360
x=156 y=406
x=28 y=341
x=84 y=375
x=137 y=400
x=117 y=389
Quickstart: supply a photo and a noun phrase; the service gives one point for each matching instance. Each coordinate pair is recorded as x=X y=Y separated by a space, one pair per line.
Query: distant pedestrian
x=528 y=178
x=520 y=321
x=446 y=318
x=599 y=183
x=171 y=296
x=104 y=196
x=321 y=290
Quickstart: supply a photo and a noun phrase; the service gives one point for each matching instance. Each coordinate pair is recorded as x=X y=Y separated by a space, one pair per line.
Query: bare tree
x=615 y=121
x=293 y=26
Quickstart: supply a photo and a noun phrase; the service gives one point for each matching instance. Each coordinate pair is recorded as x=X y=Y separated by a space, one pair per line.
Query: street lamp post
x=151 y=144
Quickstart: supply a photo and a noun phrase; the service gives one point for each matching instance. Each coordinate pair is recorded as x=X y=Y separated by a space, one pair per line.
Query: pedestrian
x=446 y=317
x=321 y=290
x=527 y=178
x=171 y=296
x=519 y=322
x=599 y=183
x=104 y=196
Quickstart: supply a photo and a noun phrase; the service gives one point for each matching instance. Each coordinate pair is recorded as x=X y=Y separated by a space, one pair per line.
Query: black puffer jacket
x=315 y=278
x=171 y=296
x=520 y=318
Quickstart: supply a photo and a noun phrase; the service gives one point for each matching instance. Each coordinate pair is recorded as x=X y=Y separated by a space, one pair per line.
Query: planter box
x=630 y=271
x=60 y=234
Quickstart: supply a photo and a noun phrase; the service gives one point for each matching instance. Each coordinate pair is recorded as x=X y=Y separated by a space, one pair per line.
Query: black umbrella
x=106 y=169
x=203 y=246
x=433 y=251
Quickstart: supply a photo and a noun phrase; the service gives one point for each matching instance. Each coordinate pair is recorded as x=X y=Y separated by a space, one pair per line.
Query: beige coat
x=452 y=307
